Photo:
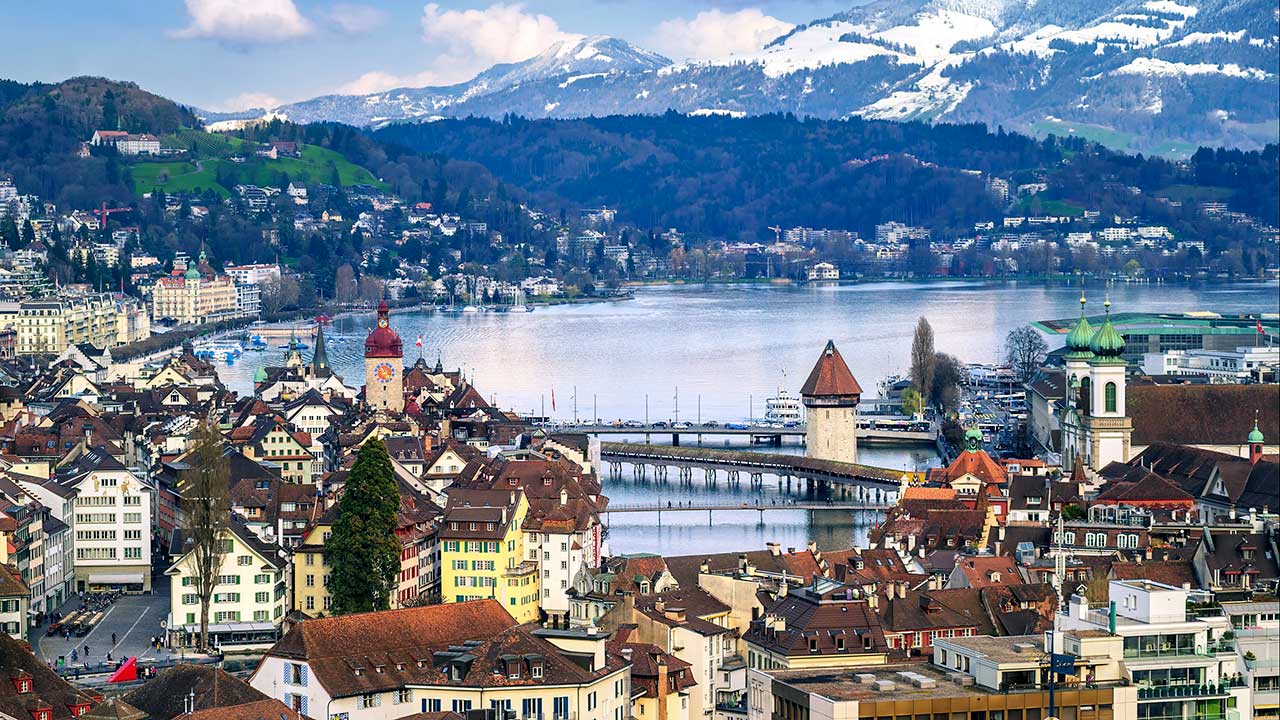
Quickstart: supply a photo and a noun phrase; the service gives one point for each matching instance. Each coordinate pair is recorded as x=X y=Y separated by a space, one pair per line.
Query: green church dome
x=192 y=273
x=261 y=375
x=973 y=439
x=1080 y=336
x=1107 y=343
x=1255 y=437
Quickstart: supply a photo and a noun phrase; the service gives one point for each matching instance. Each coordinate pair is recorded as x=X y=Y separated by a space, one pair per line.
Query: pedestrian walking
x=86 y=651
x=113 y=639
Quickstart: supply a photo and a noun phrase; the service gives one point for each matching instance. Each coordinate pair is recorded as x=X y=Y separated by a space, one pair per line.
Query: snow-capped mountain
x=1150 y=75
x=565 y=63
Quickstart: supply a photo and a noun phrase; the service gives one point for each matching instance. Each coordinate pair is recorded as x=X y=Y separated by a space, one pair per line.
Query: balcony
x=1163 y=651
x=524 y=568
x=1178 y=692
x=1012 y=687
x=1228 y=715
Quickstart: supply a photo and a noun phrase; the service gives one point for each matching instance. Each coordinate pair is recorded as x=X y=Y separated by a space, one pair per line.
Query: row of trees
x=363 y=552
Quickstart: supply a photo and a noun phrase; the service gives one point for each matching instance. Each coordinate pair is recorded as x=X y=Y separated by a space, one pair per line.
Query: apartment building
x=482 y=552
x=1184 y=664
x=112 y=523
x=50 y=325
x=458 y=657
x=249 y=600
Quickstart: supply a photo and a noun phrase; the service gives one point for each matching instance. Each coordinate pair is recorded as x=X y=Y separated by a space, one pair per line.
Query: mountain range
x=1158 y=76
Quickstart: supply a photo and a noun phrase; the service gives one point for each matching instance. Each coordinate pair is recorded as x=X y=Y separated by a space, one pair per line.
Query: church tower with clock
x=384 y=365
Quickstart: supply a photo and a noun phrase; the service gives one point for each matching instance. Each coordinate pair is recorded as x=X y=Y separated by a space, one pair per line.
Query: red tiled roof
x=830 y=376
x=271 y=709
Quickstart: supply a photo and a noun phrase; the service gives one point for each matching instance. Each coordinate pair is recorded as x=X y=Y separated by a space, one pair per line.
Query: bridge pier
x=639 y=471
x=660 y=472
x=709 y=476
x=686 y=475
x=615 y=470
x=731 y=476
x=675 y=439
x=757 y=479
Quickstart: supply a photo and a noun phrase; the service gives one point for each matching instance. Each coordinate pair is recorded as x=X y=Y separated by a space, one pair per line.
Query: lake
x=717 y=351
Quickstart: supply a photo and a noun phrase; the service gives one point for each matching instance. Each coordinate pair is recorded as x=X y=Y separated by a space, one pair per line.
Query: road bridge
x=870 y=431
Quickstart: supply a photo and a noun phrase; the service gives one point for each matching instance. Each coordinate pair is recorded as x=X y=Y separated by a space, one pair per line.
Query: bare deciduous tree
x=277 y=294
x=206 y=514
x=370 y=289
x=345 y=288
x=923 y=359
x=1025 y=351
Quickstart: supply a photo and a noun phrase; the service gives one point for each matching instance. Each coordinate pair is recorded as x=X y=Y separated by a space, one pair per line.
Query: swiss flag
x=1259 y=327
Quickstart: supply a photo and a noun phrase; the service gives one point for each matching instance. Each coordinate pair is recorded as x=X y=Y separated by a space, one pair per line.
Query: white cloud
x=356 y=19
x=377 y=81
x=467 y=42
x=472 y=40
x=245 y=21
x=713 y=34
x=247 y=100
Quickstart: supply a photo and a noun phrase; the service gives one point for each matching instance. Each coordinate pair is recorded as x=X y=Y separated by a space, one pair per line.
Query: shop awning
x=116 y=579
x=240 y=627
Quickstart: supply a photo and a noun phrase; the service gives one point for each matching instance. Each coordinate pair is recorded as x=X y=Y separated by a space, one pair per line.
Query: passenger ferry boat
x=783 y=408
x=227 y=351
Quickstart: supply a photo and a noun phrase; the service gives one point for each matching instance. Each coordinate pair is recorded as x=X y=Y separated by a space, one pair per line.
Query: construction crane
x=106 y=212
x=777 y=233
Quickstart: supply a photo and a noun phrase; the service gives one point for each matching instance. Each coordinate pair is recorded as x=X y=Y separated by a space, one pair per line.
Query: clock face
x=382 y=322
x=384 y=373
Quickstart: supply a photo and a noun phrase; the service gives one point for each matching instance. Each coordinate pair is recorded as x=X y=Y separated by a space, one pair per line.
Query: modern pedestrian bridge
x=861 y=485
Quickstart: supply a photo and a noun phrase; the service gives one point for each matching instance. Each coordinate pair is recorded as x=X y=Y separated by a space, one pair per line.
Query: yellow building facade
x=482 y=552
x=193 y=299
x=311 y=573
x=48 y=326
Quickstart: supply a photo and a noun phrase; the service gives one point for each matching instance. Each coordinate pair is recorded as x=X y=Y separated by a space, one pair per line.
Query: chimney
x=873 y=601
x=663 y=688
x=1078 y=607
x=999 y=543
x=782 y=589
x=660 y=606
x=774 y=549
x=1147 y=552
x=705 y=567
x=812 y=547
x=564 y=496
x=1000 y=536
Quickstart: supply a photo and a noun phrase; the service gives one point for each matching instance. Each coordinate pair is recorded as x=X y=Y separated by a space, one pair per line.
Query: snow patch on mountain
x=812 y=47
x=1168 y=6
x=935 y=33
x=1199 y=38
x=1155 y=66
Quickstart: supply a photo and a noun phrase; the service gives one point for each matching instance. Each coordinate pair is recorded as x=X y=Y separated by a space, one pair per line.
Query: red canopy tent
x=127 y=672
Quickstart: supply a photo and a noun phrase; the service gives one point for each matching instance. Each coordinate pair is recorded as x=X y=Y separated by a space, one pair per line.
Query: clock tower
x=384 y=365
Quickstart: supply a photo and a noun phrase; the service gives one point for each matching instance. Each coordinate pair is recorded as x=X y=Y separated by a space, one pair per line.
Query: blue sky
x=227 y=54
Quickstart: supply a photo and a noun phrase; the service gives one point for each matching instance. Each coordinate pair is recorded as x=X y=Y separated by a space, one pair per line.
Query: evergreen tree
x=363 y=553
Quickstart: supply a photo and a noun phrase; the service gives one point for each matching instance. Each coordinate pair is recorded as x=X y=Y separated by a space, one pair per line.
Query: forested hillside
x=732 y=178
